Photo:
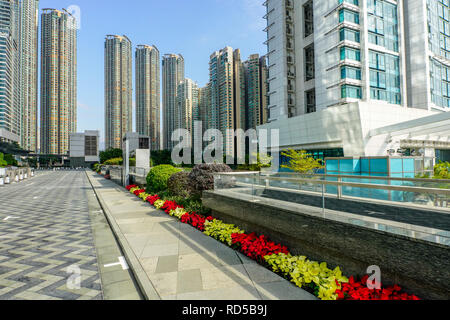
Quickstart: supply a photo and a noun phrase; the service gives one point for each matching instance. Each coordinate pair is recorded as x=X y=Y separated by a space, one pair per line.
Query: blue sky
x=194 y=28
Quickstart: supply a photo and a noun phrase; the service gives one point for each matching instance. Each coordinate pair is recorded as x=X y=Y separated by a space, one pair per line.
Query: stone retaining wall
x=420 y=267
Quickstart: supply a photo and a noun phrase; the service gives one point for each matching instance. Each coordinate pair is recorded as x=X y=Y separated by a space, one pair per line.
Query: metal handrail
x=337 y=176
x=366 y=185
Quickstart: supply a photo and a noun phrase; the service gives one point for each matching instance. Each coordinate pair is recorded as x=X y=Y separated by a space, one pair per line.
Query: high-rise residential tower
x=28 y=48
x=172 y=75
x=255 y=70
x=427 y=34
x=360 y=77
x=10 y=113
x=223 y=92
x=187 y=103
x=58 y=80
x=203 y=111
x=326 y=53
x=148 y=94
x=118 y=90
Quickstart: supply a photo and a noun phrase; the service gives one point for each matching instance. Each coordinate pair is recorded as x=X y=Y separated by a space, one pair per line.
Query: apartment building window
x=440 y=84
x=309 y=63
x=348 y=16
x=350 y=73
x=310 y=97
x=383 y=24
x=349 y=34
x=349 y=91
x=308 y=14
x=350 y=53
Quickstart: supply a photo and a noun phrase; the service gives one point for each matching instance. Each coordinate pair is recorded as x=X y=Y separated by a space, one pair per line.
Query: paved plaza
x=46 y=239
x=54 y=225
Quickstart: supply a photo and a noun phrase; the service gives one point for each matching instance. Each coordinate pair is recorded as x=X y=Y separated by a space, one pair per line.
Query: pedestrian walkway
x=173 y=261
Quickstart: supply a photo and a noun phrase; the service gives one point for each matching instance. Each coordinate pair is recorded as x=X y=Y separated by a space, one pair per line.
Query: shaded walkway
x=182 y=263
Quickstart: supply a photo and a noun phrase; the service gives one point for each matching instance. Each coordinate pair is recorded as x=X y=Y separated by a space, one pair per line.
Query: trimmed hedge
x=158 y=177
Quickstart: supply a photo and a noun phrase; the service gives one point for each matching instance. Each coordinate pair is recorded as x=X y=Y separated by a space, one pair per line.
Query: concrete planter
x=420 y=267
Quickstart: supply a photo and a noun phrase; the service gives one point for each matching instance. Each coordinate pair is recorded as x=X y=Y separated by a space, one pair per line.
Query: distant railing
x=430 y=192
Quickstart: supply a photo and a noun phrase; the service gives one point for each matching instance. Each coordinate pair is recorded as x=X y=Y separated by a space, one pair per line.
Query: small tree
x=3 y=162
x=301 y=162
x=442 y=170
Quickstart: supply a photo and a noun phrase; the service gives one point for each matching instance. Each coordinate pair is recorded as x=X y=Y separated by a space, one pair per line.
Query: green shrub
x=9 y=159
x=158 y=177
x=178 y=184
x=110 y=154
x=114 y=162
x=3 y=162
x=159 y=157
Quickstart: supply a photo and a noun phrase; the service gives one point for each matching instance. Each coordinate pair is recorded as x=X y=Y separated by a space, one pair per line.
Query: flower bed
x=315 y=277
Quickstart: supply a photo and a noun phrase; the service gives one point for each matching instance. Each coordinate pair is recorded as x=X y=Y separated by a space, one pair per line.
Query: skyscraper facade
x=10 y=113
x=118 y=90
x=28 y=47
x=148 y=94
x=172 y=75
x=58 y=80
x=427 y=34
x=203 y=110
x=325 y=53
x=223 y=92
x=255 y=70
x=187 y=104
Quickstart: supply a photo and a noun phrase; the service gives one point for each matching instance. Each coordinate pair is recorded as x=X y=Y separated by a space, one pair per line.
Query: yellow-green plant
x=144 y=196
x=178 y=212
x=132 y=190
x=442 y=170
x=302 y=272
x=159 y=204
x=301 y=162
x=221 y=231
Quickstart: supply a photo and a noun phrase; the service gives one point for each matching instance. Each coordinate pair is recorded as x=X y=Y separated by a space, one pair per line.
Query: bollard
x=16 y=179
x=2 y=181
x=7 y=180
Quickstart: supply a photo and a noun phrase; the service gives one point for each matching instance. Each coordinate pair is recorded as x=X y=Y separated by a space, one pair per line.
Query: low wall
x=420 y=267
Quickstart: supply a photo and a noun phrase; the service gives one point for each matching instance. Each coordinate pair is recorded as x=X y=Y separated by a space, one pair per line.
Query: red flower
x=138 y=192
x=195 y=220
x=359 y=291
x=153 y=199
x=255 y=247
x=131 y=186
x=169 y=206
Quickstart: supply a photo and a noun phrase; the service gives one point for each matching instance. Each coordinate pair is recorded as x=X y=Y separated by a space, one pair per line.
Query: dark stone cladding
x=425 y=218
x=420 y=267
